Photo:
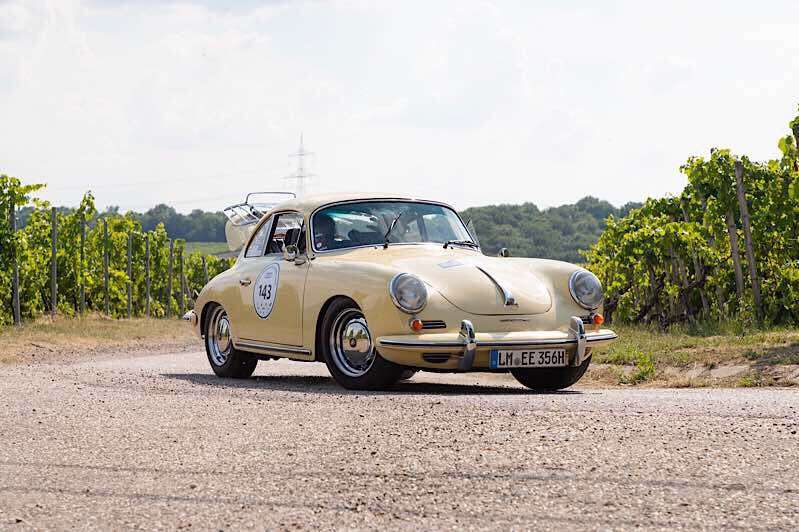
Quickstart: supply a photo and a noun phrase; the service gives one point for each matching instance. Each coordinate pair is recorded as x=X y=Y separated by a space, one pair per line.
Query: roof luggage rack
x=242 y=217
x=249 y=212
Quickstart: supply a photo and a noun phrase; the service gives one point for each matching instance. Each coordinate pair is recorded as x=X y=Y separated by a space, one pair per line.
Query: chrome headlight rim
x=573 y=293
x=392 y=290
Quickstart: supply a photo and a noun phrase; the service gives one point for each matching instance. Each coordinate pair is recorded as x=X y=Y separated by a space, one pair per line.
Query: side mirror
x=290 y=252
x=503 y=252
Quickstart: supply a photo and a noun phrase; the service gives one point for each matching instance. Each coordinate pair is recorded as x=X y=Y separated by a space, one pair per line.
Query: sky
x=196 y=103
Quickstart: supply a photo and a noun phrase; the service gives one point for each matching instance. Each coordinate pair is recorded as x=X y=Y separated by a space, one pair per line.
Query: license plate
x=527 y=358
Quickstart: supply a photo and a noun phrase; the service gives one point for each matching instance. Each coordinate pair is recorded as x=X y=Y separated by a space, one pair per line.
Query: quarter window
x=258 y=242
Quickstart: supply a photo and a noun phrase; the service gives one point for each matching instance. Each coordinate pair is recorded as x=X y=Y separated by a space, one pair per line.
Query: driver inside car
x=324 y=232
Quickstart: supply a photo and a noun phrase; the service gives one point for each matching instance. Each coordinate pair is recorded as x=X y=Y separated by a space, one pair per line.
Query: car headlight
x=586 y=289
x=408 y=293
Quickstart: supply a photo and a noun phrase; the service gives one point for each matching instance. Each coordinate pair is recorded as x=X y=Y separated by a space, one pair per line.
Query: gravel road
x=158 y=442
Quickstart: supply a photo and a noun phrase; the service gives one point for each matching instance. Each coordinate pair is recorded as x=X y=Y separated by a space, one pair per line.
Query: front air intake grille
x=433 y=324
x=435 y=358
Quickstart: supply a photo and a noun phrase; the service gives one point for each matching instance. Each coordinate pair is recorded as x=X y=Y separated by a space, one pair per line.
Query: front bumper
x=469 y=349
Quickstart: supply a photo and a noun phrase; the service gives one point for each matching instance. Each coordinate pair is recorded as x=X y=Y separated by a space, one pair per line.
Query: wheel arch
x=318 y=340
x=204 y=313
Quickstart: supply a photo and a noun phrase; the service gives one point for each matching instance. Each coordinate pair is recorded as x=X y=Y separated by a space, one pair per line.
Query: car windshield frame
x=391 y=244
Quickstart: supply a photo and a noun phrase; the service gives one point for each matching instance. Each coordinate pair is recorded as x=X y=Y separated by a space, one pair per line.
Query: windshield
x=349 y=225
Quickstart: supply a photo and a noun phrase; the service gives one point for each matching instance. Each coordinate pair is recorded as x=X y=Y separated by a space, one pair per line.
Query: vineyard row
x=73 y=263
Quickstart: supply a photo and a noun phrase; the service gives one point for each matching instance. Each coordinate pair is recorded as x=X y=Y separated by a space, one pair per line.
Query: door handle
x=245 y=282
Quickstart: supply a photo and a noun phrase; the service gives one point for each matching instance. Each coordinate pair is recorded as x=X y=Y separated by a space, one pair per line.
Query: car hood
x=471 y=281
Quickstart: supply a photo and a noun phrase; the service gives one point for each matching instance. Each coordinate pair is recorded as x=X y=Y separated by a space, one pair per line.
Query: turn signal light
x=417 y=325
x=598 y=319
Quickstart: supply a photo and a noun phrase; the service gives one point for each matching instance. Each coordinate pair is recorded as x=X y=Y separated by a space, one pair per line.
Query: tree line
x=197 y=226
x=560 y=233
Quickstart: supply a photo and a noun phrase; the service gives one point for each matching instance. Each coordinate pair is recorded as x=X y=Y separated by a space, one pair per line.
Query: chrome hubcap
x=218 y=338
x=351 y=343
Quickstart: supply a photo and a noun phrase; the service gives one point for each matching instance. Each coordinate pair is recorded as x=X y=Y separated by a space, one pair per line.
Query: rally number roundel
x=265 y=290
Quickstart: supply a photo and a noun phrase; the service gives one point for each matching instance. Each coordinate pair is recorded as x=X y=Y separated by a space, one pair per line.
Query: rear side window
x=258 y=243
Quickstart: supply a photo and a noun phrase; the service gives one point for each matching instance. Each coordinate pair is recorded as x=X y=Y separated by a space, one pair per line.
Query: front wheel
x=350 y=353
x=226 y=360
x=550 y=379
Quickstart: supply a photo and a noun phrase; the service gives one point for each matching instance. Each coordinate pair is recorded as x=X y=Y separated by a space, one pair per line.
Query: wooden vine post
x=147 y=275
x=15 y=310
x=130 y=275
x=750 y=251
x=105 y=268
x=53 y=263
x=735 y=252
x=182 y=299
x=169 y=279
x=81 y=272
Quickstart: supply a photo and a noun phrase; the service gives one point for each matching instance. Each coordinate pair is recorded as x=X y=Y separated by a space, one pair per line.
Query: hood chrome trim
x=510 y=301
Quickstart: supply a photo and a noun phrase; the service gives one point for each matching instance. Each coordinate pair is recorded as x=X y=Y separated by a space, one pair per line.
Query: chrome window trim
x=379 y=200
x=255 y=231
x=267 y=218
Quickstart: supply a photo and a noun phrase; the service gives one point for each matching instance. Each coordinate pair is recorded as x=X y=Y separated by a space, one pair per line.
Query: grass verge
x=682 y=348
x=644 y=354
x=67 y=338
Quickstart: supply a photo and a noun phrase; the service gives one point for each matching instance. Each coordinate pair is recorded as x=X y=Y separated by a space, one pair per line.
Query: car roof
x=308 y=204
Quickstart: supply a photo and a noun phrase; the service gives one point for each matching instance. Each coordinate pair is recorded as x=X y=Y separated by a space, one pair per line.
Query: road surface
x=157 y=442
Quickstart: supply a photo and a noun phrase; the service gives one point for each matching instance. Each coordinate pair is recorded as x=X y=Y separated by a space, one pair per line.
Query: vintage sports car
x=379 y=287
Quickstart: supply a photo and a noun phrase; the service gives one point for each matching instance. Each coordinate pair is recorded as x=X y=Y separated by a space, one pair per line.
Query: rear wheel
x=226 y=360
x=550 y=379
x=350 y=353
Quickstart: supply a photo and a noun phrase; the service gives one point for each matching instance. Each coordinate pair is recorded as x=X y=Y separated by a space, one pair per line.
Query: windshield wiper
x=391 y=228
x=467 y=243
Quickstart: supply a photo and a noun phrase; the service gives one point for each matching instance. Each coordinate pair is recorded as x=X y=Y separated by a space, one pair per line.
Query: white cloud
x=472 y=102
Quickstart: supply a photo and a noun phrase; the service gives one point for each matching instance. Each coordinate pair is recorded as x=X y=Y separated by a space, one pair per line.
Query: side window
x=258 y=243
x=288 y=227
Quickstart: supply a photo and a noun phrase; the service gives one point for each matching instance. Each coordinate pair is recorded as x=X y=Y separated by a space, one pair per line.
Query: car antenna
x=391 y=228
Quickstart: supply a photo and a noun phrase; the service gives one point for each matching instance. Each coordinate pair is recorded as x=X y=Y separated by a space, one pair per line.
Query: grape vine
x=32 y=244
x=685 y=258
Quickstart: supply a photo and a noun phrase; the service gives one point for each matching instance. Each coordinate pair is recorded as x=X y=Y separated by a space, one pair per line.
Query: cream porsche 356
x=379 y=287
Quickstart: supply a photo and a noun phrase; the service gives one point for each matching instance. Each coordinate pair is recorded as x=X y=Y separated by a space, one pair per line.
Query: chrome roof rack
x=249 y=212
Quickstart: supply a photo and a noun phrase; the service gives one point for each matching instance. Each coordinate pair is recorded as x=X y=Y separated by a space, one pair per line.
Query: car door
x=272 y=287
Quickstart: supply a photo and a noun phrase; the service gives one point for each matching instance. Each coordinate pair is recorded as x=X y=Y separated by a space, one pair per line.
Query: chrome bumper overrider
x=190 y=317
x=467 y=341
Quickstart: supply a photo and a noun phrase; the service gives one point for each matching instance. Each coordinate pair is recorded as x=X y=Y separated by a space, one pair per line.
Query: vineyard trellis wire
x=725 y=249
x=72 y=262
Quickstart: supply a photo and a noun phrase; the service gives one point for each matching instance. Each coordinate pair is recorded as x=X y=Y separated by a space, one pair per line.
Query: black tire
x=550 y=379
x=358 y=366
x=408 y=374
x=226 y=361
